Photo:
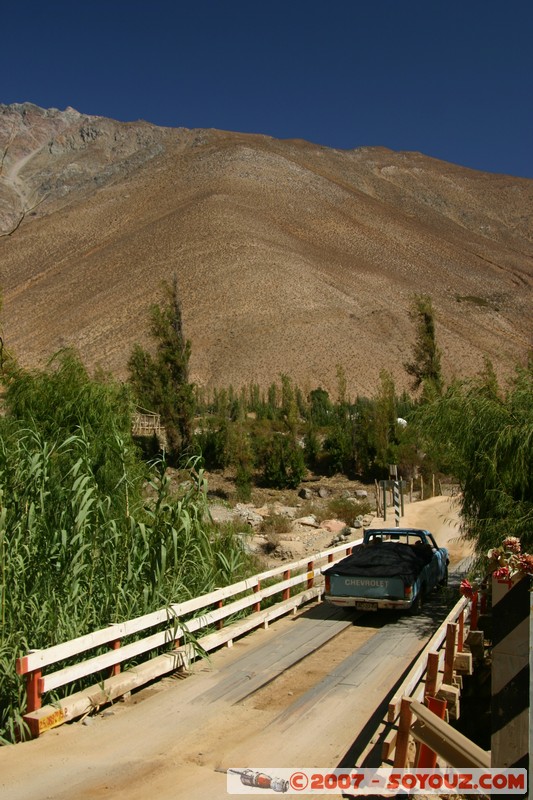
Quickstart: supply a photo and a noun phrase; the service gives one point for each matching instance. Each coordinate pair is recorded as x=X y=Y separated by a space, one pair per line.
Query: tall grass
x=81 y=546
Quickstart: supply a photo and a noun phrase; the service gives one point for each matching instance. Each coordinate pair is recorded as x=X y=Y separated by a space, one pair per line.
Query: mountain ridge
x=290 y=257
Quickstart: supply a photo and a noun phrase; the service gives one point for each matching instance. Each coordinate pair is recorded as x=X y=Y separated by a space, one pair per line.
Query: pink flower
x=512 y=543
x=525 y=564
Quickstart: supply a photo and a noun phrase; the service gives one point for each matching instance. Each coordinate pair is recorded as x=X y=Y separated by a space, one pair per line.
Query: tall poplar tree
x=161 y=381
x=425 y=367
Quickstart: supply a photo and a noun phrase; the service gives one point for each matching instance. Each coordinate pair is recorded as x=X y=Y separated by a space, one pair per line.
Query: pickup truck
x=393 y=568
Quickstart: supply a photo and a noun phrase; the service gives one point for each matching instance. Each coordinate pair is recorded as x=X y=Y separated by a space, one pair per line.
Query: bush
x=283 y=463
x=275 y=523
x=347 y=510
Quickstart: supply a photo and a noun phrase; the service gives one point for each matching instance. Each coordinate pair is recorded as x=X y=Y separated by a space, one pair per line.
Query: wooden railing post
x=286 y=592
x=257 y=588
x=115 y=669
x=474 y=612
x=310 y=578
x=461 y=631
x=432 y=673
x=402 y=739
x=33 y=690
x=220 y=622
x=449 y=652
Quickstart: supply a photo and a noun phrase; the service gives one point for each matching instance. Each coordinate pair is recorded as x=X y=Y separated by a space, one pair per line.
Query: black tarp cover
x=384 y=560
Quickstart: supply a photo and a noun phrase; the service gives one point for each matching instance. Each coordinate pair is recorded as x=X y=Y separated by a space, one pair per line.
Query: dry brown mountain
x=290 y=257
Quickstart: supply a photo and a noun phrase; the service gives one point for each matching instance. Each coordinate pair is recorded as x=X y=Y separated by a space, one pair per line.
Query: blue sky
x=450 y=79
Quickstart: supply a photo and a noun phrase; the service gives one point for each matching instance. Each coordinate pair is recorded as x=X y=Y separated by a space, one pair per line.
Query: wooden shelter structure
x=148 y=423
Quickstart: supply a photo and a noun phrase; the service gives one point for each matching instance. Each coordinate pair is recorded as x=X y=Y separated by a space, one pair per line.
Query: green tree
x=320 y=407
x=385 y=421
x=161 y=381
x=289 y=408
x=425 y=368
x=311 y=446
x=340 y=442
x=283 y=462
x=486 y=440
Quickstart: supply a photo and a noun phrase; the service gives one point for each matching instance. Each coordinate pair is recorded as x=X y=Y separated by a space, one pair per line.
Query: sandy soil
x=440 y=516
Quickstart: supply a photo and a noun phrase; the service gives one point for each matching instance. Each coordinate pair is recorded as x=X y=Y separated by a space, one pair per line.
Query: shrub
x=283 y=463
x=276 y=523
x=347 y=510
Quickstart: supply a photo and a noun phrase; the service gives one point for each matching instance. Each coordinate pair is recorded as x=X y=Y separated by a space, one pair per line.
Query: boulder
x=333 y=525
x=310 y=521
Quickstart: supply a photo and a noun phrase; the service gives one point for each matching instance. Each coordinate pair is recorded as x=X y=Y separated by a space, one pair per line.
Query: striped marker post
x=397 y=503
x=512 y=608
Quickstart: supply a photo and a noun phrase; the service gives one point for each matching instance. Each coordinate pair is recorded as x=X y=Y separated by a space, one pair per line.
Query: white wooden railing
x=295 y=581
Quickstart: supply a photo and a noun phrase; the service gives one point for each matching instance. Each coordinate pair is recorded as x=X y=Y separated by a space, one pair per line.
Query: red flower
x=466 y=589
x=503 y=572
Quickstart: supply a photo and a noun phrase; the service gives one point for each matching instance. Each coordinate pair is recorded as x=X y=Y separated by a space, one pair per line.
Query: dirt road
x=169 y=740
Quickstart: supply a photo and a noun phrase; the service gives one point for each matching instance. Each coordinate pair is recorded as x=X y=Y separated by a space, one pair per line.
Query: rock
x=221 y=514
x=333 y=525
x=305 y=494
x=361 y=493
x=310 y=520
x=252 y=544
x=323 y=492
x=357 y=523
x=284 y=511
x=249 y=514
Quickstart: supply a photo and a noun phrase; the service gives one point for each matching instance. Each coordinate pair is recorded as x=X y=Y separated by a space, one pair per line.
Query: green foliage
x=80 y=546
x=347 y=510
x=385 y=422
x=289 y=408
x=161 y=381
x=425 y=368
x=340 y=442
x=276 y=523
x=311 y=447
x=213 y=442
x=243 y=458
x=485 y=438
x=283 y=462
x=64 y=401
x=320 y=407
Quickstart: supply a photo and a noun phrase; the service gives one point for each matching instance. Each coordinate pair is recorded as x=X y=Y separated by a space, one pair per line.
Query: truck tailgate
x=367 y=588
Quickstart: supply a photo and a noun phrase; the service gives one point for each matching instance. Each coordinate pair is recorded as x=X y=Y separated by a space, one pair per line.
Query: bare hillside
x=290 y=257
